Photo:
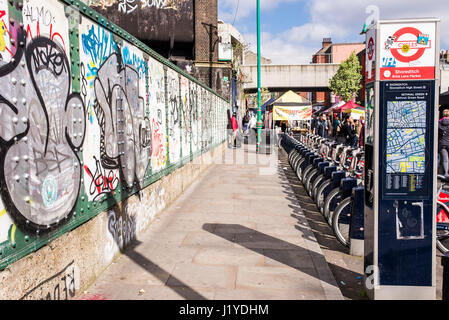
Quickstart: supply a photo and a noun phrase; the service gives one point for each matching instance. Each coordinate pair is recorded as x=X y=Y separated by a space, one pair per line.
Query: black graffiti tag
x=41 y=129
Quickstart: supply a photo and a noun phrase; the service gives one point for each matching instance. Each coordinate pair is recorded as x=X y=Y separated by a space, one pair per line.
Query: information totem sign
x=402 y=72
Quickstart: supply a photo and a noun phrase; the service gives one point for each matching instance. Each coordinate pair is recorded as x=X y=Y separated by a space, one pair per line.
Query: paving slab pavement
x=233 y=235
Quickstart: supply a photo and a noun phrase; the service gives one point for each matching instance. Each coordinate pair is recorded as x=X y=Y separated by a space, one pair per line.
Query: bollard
x=356 y=229
x=445 y=264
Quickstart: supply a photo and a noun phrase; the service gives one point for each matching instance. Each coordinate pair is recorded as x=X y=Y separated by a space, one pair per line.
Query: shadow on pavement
x=349 y=282
x=122 y=227
x=177 y=285
x=286 y=253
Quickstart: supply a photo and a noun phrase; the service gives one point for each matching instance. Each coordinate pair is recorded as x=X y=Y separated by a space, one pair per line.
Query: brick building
x=333 y=53
x=207 y=68
x=182 y=31
x=362 y=93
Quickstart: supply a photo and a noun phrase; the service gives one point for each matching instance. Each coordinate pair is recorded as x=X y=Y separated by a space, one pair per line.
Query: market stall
x=356 y=113
x=291 y=107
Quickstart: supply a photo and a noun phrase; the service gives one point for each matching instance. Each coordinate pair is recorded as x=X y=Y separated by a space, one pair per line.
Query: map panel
x=406 y=114
x=406 y=137
x=406 y=151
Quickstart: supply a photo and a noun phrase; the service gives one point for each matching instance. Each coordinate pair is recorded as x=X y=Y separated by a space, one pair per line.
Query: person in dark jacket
x=335 y=125
x=348 y=131
x=362 y=132
x=229 y=129
x=443 y=142
x=284 y=127
x=235 y=128
x=322 y=126
x=313 y=125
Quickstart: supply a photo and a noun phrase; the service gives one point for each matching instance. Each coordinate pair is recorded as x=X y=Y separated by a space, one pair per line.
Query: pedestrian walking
x=330 y=125
x=313 y=125
x=284 y=127
x=253 y=124
x=336 y=126
x=340 y=135
x=443 y=142
x=362 y=133
x=245 y=123
x=235 y=127
x=348 y=131
x=358 y=131
x=323 y=126
x=229 y=129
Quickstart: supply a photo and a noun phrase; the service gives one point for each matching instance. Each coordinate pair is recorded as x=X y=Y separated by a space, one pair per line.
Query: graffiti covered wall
x=151 y=20
x=88 y=117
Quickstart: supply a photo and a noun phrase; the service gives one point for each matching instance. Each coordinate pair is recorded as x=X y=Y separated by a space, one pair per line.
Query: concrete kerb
x=330 y=286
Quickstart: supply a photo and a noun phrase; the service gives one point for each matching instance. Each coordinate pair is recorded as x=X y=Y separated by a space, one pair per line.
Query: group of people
x=233 y=128
x=344 y=130
x=249 y=123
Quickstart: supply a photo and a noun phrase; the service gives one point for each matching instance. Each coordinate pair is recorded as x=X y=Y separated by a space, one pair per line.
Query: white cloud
x=342 y=20
x=351 y=14
x=293 y=46
x=279 y=50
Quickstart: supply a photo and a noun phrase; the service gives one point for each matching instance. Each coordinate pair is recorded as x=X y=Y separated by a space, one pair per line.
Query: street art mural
x=193 y=96
x=156 y=97
x=87 y=119
x=151 y=20
x=174 y=116
x=129 y=6
x=205 y=119
x=186 y=108
x=42 y=127
x=125 y=140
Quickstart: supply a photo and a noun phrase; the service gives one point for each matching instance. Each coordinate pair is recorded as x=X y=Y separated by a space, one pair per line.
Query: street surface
x=237 y=235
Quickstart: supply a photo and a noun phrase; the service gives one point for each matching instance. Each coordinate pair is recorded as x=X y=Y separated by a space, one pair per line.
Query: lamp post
x=259 y=90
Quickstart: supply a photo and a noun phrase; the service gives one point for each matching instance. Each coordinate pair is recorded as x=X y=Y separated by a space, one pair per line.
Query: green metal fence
x=89 y=116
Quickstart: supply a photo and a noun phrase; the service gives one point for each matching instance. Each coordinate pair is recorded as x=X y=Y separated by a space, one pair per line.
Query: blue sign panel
x=405 y=217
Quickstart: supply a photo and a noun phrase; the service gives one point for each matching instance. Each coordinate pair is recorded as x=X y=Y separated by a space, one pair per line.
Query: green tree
x=347 y=81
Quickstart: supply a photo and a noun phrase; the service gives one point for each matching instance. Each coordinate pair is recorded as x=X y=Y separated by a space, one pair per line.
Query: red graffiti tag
x=158 y=147
x=53 y=35
x=102 y=181
x=2 y=13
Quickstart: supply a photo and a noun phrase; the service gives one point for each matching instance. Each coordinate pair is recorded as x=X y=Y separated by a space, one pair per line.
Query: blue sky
x=292 y=30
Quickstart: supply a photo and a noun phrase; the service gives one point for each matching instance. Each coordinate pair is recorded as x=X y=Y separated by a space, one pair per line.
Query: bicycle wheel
x=297 y=160
x=320 y=198
x=442 y=233
x=293 y=156
x=299 y=169
x=305 y=173
x=310 y=179
x=316 y=184
x=290 y=156
x=341 y=221
x=327 y=204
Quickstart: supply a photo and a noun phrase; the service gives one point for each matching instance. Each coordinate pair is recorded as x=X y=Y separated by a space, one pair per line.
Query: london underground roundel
x=406 y=45
x=371 y=48
x=407 y=51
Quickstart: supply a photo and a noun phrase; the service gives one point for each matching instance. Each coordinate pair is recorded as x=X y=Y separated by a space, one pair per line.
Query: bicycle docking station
x=402 y=60
x=445 y=264
x=357 y=225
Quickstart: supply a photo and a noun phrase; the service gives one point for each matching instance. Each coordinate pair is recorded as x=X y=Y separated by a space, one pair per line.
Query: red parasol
x=349 y=105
